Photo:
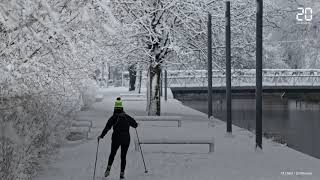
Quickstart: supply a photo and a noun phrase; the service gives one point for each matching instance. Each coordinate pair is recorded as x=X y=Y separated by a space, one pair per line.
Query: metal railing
x=246 y=77
x=242 y=77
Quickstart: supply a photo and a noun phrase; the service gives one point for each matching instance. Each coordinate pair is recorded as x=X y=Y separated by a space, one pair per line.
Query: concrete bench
x=84 y=130
x=81 y=123
x=210 y=142
x=80 y=129
x=99 y=98
x=133 y=95
x=159 y=118
x=134 y=99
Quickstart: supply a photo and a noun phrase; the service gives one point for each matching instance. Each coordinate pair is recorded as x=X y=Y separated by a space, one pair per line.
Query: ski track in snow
x=233 y=157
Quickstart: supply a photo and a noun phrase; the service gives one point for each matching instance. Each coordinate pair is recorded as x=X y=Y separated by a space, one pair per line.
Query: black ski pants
x=118 y=140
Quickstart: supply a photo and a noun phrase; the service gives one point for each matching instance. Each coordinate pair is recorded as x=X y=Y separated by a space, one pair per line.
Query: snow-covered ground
x=234 y=157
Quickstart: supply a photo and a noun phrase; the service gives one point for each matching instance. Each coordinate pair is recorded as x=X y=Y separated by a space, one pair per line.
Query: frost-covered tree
x=49 y=51
x=299 y=40
x=154 y=29
x=158 y=33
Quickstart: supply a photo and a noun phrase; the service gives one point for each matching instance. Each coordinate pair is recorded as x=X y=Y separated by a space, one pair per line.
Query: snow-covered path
x=233 y=157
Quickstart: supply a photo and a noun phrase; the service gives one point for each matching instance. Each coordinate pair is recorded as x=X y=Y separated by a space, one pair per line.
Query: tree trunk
x=132 y=76
x=148 y=91
x=154 y=90
x=140 y=80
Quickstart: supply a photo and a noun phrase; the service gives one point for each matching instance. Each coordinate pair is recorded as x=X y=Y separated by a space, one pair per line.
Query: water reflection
x=296 y=123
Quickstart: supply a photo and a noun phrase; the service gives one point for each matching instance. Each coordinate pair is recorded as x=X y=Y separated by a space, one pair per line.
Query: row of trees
x=49 y=51
x=155 y=34
x=159 y=33
x=298 y=42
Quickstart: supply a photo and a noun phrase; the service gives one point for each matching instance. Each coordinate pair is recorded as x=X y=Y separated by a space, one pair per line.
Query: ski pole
x=95 y=163
x=145 y=169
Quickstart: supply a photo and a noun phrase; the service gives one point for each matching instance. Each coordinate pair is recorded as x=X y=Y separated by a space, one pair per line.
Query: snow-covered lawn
x=233 y=157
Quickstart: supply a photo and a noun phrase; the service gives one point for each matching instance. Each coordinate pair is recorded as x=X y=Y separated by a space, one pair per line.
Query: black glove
x=99 y=137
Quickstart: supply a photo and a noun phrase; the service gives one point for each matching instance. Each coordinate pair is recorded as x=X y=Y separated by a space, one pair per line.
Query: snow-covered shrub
x=48 y=51
x=88 y=89
x=33 y=122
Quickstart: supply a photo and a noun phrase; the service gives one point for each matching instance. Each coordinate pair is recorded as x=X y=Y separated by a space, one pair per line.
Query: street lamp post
x=209 y=66
x=259 y=28
x=228 y=69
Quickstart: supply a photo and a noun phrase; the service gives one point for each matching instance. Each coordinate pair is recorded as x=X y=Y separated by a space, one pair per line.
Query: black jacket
x=120 y=122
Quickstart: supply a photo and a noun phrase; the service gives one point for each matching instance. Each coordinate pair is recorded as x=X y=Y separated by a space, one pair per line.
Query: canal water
x=296 y=123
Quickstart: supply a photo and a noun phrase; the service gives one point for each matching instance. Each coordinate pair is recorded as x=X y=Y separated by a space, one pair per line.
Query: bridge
x=294 y=83
x=240 y=78
x=246 y=78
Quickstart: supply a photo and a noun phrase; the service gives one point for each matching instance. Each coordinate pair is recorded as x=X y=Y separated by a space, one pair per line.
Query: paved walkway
x=233 y=158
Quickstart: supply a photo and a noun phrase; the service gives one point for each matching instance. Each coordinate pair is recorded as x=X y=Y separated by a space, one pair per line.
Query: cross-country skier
x=121 y=123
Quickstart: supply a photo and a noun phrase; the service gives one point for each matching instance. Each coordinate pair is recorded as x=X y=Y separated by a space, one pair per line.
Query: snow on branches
x=49 y=51
x=156 y=33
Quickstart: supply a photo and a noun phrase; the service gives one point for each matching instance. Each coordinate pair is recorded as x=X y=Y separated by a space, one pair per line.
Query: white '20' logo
x=306 y=12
